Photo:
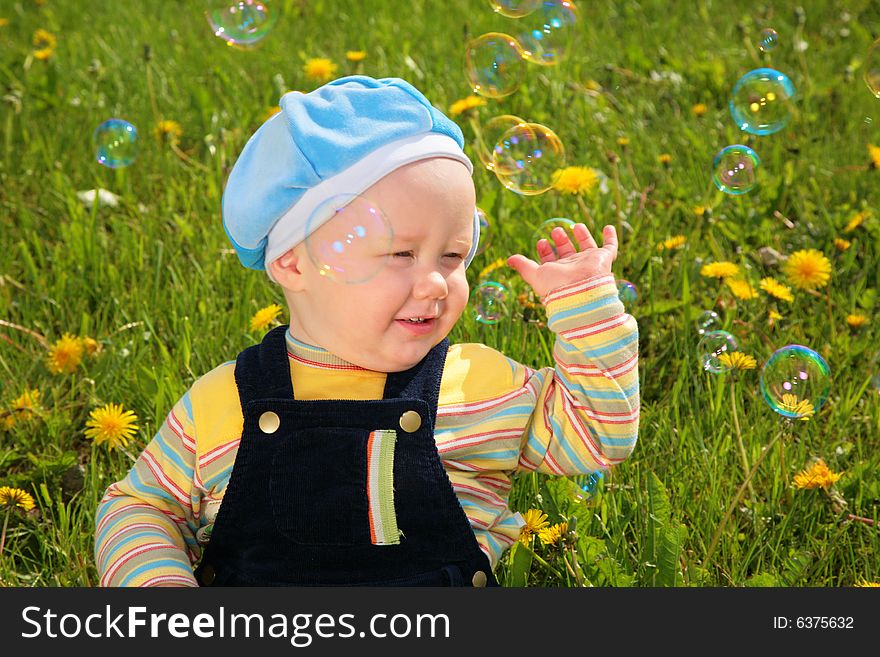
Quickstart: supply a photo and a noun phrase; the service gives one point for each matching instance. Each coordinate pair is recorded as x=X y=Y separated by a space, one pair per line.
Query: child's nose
x=431 y=285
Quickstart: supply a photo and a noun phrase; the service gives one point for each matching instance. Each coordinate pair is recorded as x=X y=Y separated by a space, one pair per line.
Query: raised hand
x=568 y=264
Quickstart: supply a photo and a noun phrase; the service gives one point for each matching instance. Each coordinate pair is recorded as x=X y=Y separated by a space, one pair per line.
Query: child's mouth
x=417 y=325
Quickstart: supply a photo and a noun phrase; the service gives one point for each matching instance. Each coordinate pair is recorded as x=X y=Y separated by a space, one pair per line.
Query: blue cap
x=340 y=138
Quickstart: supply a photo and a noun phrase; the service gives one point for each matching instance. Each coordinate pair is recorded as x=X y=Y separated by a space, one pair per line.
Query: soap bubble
x=526 y=157
x=348 y=238
x=761 y=101
x=711 y=346
x=241 y=23
x=489 y=301
x=494 y=64
x=514 y=8
x=490 y=134
x=116 y=143
x=550 y=37
x=708 y=320
x=872 y=68
x=627 y=292
x=588 y=485
x=546 y=227
x=769 y=39
x=735 y=169
x=485 y=232
x=795 y=381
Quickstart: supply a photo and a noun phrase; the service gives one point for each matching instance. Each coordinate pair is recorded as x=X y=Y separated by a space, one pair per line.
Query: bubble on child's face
x=490 y=133
x=712 y=345
x=116 y=143
x=735 y=169
x=526 y=157
x=550 y=33
x=514 y=8
x=768 y=40
x=795 y=381
x=546 y=227
x=349 y=238
x=762 y=100
x=241 y=23
x=872 y=68
x=485 y=232
x=708 y=320
x=489 y=301
x=494 y=64
x=628 y=293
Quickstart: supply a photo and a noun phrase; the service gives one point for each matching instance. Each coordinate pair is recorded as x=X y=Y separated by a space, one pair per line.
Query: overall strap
x=262 y=371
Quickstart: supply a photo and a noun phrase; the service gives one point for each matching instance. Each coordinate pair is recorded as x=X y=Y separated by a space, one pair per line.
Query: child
x=357 y=447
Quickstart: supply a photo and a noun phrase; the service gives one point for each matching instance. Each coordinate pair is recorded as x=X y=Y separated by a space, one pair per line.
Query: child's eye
x=402 y=254
x=455 y=256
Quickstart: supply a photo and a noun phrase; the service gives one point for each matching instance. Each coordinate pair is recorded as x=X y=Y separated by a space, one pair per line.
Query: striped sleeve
x=586 y=414
x=145 y=523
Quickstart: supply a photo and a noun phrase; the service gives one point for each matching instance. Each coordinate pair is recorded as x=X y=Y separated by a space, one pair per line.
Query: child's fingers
x=545 y=251
x=609 y=240
x=584 y=237
x=564 y=247
x=525 y=267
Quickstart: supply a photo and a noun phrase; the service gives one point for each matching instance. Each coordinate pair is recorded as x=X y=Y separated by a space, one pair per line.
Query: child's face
x=430 y=206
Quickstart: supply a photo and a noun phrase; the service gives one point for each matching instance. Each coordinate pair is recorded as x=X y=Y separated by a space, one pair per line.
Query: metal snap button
x=410 y=421
x=208 y=575
x=269 y=422
x=479 y=580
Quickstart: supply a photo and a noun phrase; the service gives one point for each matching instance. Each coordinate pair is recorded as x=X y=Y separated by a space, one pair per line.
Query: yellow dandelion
x=4 y=22
x=737 y=360
x=65 y=355
x=808 y=269
x=535 y=521
x=15 y=498
x=674 y=242
x=24 y=406
x=699 y=109
x=721 y=269
x=492 y=266
x=265 y=317
x=857 y=220
x=701 y=210
x=865 y=582
x=741 y=289
x=856 y=320
x=91 y=346
x=43 y=54
x=801 y=408
x=773 y=317
x=623 y=142
x=111 y=424
x=776 y=289
x=356 y=55
x=665 y=159
x=553 y=534
x=816 y=476
x=465 y=104
x=841 y=244
x=168 y=131
x=575 y=180
x=874 y=154
x=320 y=69
x=44 y=39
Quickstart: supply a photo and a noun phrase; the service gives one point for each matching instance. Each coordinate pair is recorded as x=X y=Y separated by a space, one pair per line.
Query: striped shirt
x=495 y=418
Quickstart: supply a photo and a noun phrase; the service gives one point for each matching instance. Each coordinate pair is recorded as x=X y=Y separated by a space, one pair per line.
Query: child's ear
x=286 y=271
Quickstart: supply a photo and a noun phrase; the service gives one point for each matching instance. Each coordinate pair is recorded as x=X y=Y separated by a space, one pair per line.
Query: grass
x=155 y=283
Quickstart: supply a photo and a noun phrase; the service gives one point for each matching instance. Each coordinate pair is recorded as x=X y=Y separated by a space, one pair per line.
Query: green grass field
x=155 y=283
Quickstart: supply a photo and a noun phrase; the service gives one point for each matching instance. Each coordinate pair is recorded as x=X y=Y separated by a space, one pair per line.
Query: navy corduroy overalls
x=298 y=509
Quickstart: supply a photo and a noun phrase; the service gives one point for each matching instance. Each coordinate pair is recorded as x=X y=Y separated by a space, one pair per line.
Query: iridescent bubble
x=526 y=157
x=494 y=64
x=241 y=23
x=872 y=68
x=769 y=39
x=627 y=292
x=116 y=144
x=551 y=32
x=546 y=227
x=490 y=134
x=708 y=320
x=485 y=232
x=735 y=169
x=761 y=101
x=711 y=346
x=514 y=8
x=348 y=238
x=875 y=383
x=588 y=485
x=489 y=301
x=795 y=381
